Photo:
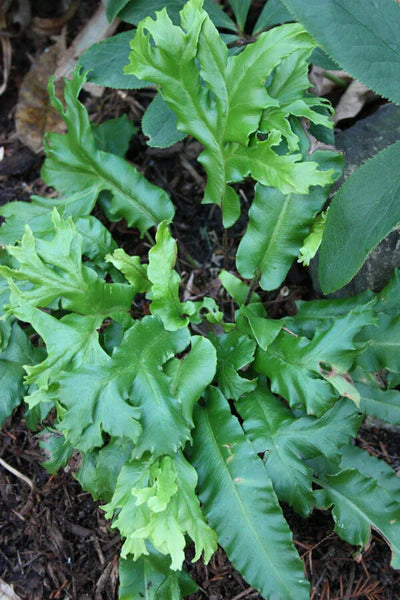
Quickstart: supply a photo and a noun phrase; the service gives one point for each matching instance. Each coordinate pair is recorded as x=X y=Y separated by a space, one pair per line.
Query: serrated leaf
x=359 y=504
x=165 y=281
x=370 y=197
x=287 y=441
x=159 y=124
x=151 y=578
x=54 y=270
x=105 y=62
x=130 y=386
x=274 y=12
x=157 y=502
x=364 y=42
x=73 y=163
x=13 y=358
x=241 y=505
x=234 y=351
x=311 y=374
x=228 y=108
x=131 y=267
x=384 y=405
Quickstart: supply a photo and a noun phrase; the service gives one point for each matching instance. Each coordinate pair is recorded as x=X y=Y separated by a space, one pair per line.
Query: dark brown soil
x=54 y=540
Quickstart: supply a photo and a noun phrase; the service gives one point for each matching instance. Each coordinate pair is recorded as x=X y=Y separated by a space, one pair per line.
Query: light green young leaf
x=313 y=241
x=157 y=502
x=253 y=531
x=228 y=108
x=289 y=87
x=234 y=351
x=54 y=270
x=131 y=267
x=359 y=504
x=236 y=287
x=370 y=197
x=375 y=32
x=130 y=386
x=165 y=281
x=17 y=354
x=73 y=163
x=288 y=441
x=310 y=374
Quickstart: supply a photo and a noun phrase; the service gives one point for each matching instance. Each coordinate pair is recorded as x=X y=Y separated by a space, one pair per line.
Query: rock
x=360 y=142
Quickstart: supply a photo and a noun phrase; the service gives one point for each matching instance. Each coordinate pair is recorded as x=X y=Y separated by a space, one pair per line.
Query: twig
x=17 y=473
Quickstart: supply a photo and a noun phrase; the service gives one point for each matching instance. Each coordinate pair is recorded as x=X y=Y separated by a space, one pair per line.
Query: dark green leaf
x=240 y=9
x=241 y=505
x=364 y=42
x=57 y=451
x=274 y=12
x=18 y=353
x=159 y=124
x=106 y=60
x=114 y=135
x=370 y=198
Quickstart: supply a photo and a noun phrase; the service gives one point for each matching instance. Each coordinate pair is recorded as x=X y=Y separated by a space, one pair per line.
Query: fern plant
x=193 y=425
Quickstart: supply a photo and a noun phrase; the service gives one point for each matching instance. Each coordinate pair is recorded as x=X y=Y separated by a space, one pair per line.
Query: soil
x=54 y=540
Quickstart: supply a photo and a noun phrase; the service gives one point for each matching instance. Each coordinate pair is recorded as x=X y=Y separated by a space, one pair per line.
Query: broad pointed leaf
x=363 y=42
x=383 y=350
x=241 y=505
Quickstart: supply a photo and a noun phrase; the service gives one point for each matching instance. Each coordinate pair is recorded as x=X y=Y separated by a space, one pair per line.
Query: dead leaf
x=34 y=116
x=6 y=592
x=53 y=26
x=96 y=30
x=325 y=81
x=352 y=101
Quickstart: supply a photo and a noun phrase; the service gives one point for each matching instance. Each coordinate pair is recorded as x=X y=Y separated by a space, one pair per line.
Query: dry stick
x=17 y=473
